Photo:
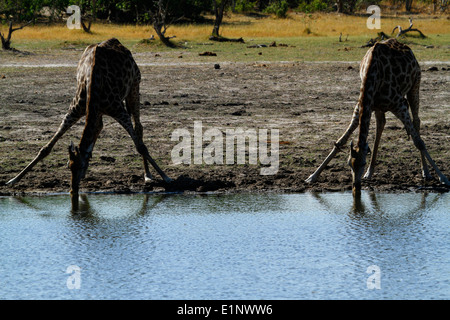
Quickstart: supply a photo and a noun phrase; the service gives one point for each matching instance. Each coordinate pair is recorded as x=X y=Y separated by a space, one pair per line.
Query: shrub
x=313 y=6
x=244 y=5
x=279 y=8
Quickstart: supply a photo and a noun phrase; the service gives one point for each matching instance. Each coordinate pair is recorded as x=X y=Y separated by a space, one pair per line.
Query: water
x=270 y=246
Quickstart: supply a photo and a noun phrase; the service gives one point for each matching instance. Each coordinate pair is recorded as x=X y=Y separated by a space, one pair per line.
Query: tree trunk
x=158 y=28
x=6 y=42
x=408 y=5
x=219 y=9
x=340 y=6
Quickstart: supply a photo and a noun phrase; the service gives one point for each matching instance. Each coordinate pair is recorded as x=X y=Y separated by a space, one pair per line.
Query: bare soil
x=310 y=103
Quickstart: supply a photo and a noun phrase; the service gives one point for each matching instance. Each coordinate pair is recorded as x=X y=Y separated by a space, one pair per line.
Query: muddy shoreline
x=310 y=104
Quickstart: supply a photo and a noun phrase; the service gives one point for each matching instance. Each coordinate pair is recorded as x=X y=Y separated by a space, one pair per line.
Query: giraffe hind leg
x=132 y=104
x=125 y=121
x=403 y=115
x=381 y=121
x=413 y=101
x=139 y=134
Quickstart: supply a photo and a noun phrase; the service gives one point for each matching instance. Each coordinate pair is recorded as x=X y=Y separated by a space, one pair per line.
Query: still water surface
x=270 y=246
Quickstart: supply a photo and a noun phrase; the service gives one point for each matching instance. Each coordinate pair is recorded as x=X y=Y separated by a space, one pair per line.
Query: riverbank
x=310 y=104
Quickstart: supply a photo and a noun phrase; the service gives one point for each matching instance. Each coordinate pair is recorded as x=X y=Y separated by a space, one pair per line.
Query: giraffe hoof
x=367 y=176
x=311 y=179
x=168 y=180
x=12 y=181
x=148 y=179
x=444 y=181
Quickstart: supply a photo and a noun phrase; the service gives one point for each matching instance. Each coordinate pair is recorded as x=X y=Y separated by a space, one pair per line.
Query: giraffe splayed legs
x=389 y=73
x=107 y=75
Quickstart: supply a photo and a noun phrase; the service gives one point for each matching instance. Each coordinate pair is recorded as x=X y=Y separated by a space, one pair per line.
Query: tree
x=219 y=9
x=408 y=5
x=6 y=42
x=160 y=17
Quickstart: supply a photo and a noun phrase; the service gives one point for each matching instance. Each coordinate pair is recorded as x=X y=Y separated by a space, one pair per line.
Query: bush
x=313 y=6
x=244 y=5
x=279 y=8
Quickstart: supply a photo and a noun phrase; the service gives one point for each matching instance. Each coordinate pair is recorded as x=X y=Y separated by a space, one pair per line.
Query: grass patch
x=309 y=37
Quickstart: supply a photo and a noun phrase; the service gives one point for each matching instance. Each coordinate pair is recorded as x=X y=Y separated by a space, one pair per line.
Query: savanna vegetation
x=269 y=79
x=141 y=11
x=205 y=17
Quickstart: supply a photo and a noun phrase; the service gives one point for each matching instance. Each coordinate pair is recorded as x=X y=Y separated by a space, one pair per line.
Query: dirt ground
x=309 y=103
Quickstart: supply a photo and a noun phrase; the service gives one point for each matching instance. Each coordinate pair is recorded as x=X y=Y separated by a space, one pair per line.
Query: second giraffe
x=390 y=81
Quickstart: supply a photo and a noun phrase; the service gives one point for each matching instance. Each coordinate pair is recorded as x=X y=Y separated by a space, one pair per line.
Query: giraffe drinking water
x=107 y=75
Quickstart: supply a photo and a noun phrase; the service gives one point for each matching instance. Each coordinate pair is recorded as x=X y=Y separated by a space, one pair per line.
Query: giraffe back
x=388 y=72
x=107 y=73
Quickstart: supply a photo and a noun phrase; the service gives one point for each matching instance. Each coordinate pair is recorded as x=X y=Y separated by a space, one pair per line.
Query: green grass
x=298 y=49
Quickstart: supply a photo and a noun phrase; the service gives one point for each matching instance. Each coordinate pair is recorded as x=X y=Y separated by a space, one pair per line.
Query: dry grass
x=296 y=25
x=325 y=25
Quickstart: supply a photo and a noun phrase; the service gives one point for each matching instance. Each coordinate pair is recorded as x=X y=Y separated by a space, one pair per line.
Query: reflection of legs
x=381 y=121
x=68 y=121
x=337 y=146
x=124 y=119
x=403 y=115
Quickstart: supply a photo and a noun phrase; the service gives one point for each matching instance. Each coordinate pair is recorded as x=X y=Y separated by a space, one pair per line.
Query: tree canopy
x=139 y=11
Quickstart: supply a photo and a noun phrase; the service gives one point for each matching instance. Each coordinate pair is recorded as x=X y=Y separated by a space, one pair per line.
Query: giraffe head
x=78 y=164
x=357 y=162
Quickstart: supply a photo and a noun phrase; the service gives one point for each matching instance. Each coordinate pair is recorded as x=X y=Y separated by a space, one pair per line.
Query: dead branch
x=409 y=29
x=223 y=39
x=87 y=28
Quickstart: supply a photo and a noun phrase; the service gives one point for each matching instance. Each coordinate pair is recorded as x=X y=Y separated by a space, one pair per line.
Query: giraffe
x=107 y=75
x=390 y=81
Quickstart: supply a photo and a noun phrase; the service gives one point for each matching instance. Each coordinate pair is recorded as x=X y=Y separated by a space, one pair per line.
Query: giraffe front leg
x=125 y=121
x=132 y=105
x=381 y=122
x=139 y=134
x=147 y=176
x=413 y=101
x=337 y=146
x=68 y=121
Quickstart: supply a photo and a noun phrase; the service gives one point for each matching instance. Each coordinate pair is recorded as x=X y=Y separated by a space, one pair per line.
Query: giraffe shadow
x=185 y=183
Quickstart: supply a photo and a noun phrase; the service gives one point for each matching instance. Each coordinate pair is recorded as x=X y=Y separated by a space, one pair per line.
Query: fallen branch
x=223 y=39
x=402 y=32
